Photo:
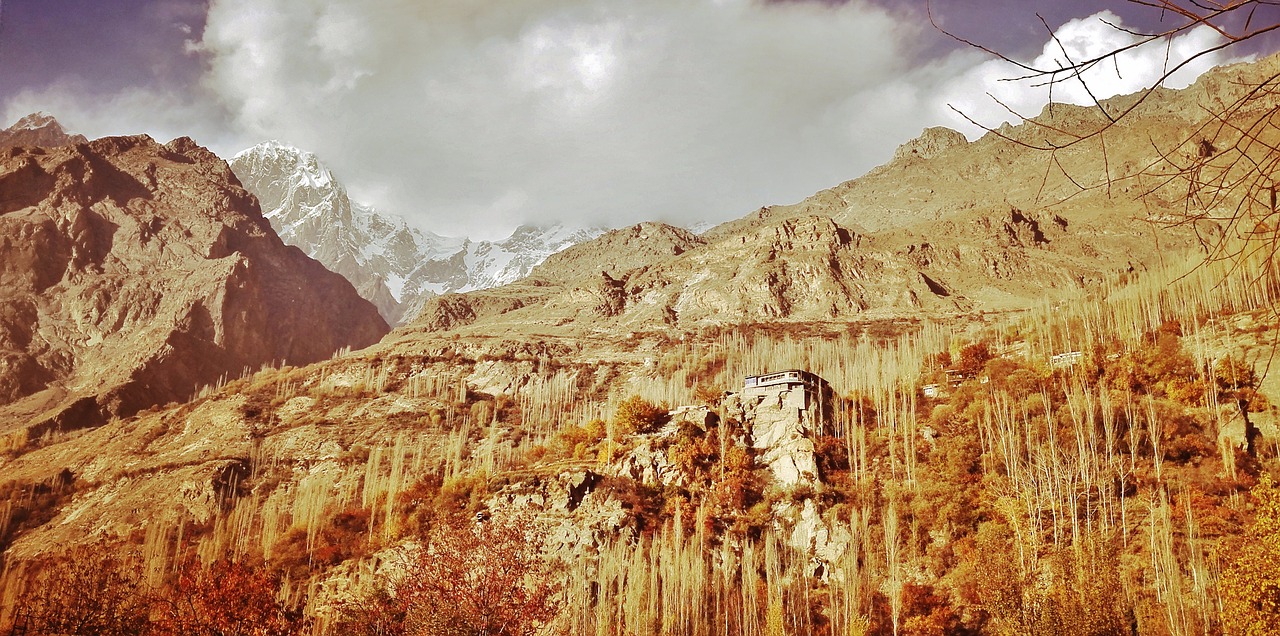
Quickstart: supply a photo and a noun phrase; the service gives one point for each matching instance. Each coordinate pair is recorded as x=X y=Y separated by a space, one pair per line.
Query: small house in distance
x=1066 y=360
x=813 y=397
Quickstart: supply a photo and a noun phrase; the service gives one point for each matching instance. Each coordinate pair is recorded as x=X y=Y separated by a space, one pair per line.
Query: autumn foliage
x=972 y=358
x=470 y=578
x=226 y=599
x=90 y=591
x=638 y=415
x=1251 y=584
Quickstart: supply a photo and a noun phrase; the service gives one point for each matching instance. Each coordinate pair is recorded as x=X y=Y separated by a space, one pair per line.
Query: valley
x=1017 y=396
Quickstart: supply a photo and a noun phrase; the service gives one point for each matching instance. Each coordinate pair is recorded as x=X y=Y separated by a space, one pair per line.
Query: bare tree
x=487 y=576
x=1226 y=169
x=91 y=590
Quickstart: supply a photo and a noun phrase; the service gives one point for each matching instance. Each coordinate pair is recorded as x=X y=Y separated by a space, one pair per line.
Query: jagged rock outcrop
x=817 y=533
x=38 y=129
x=619 y=251
x=648 y=464
x=561 y=284
x=931 y=143
x=949 y=228
x=806 y=269
x=456 y=310
x=573 y=518
x=612 y=294
x=782 y=426
x=952 y=226
x=647 y=461
x=132 y=273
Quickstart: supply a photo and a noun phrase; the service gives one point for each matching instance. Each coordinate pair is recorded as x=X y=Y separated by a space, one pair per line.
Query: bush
x=644 y=503
x=227 y=599
x=1232 y=374
x=708 y=395
x=471 y=578
x=463 y=494
x=578 y=441
x=343 y=537
x=973 y=358
x=638 y=415
x=1251 y=583
x=90 y=591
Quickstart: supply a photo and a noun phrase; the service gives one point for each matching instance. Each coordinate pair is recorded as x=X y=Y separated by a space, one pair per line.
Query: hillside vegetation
x=1075 y=433
x=1127 y=491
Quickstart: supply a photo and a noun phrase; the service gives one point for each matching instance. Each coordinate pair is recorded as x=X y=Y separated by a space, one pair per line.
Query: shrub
x=973 y=358
x=343 y=537
x=1233 y=374
x=708 y=395
x=578 y=441
x=227 y=599
x=89 y=591
x=638 y=415
x=644 y=503
x=1251 y=583
x=926 y=612
x=471 y=578
x=463 y=494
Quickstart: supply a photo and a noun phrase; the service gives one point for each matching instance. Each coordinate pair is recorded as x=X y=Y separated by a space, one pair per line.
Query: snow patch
x=310 y=208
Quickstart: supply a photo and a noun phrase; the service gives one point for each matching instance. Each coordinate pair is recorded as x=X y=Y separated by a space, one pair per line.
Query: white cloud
x=470 y=118
x=598 y=111
x=975 y=92
x=162 y=114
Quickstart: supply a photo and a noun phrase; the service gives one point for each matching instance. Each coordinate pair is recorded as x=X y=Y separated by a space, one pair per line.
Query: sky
x=471 y=117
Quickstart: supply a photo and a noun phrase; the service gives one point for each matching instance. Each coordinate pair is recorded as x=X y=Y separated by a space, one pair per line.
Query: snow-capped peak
x=285 y=158
x=36 y=121
x=392 y=264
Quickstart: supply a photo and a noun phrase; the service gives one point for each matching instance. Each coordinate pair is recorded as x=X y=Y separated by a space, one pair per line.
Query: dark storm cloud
x=103 y=44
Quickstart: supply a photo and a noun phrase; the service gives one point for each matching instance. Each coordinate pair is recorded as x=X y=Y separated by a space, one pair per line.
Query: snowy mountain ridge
x=392 y=264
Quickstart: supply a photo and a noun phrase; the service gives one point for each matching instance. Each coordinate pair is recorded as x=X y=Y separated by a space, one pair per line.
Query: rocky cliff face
x=394 y=266
x=810 y=269
x=132 y=273
x=940 y=173
x=37 y=129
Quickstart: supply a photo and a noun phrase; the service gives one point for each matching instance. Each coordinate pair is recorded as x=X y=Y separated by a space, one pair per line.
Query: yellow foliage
x=773 y=625
x=1187 y=391
x=1251 y=583
x=638 y=415
x=608 y=449
x=859 y=626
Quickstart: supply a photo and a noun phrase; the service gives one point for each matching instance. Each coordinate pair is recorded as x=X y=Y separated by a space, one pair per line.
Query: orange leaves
x=639 y=415
x=973 y=358
x=927 y=613
x=92 y=590
x=486 y=578
x=471 y=578
x=228 y=599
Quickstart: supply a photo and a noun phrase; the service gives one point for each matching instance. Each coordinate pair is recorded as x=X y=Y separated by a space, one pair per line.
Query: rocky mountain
x=1103 y=178
x=37 y=129
x=132 y=273
x=808 y=269
x=393 y=265
x=948 y=227
x=513 y=401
